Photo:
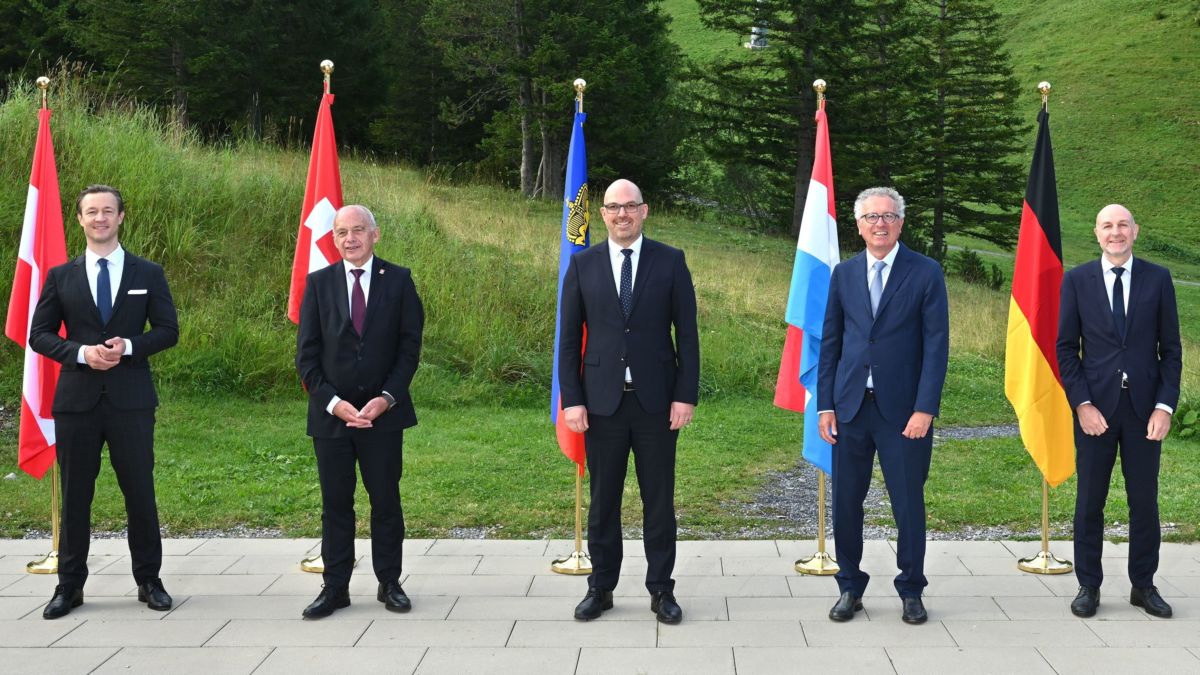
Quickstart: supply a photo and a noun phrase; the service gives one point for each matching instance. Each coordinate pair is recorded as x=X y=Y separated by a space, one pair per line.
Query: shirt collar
x=890 y=258
x=366 y=268
x=115 y=259
x=615 y=249
x=1107 y=266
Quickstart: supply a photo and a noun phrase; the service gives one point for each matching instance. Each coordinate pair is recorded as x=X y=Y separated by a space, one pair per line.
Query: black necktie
x=627 y=281
x=104 y=292
x=1118 y=307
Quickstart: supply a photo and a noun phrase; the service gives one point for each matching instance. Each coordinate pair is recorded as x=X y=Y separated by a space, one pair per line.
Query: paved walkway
x=491 y=606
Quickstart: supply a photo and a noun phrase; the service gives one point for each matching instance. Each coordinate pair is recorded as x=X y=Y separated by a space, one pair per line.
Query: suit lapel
x=340 y=288
x=379 y=281
x=1135 y=293
x=82 y=290
x=859 y=296
x=127 y=274
x=1099 y=293
x=643 y=273
x=900 y=270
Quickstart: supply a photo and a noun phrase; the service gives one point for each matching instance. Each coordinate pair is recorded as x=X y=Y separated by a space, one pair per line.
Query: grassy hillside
x=1125 y=110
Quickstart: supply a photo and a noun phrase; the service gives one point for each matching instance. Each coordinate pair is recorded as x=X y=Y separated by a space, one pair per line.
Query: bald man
x=635 y=388
x=1120 y=358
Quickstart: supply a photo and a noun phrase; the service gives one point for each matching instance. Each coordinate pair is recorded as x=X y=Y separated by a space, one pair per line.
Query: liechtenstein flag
x=816 y=255
x=574 y=238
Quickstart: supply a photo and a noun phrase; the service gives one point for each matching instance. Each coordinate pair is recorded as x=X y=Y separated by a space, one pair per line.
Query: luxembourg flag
x=43 y=245
x=816 y=255
x=322 y=199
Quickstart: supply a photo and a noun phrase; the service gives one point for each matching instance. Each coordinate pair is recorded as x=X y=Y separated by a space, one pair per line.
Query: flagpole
x=316 y=564
x=578 y=563
x=820 y=563
x=1045 y=562
x=49 y=563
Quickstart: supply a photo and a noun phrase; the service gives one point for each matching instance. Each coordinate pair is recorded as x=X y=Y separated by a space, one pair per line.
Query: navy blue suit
x=1091 y=360
x=906 y=347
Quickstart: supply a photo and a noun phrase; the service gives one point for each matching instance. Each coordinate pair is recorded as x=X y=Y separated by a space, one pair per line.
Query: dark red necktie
x=358 y=303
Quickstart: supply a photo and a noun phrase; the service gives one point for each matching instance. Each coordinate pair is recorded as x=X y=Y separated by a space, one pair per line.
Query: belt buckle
x=870 y=394
x=628 y=386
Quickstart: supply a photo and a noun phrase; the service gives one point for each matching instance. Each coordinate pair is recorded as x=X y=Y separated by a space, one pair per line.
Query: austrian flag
x=43 y=245
x=322 y=199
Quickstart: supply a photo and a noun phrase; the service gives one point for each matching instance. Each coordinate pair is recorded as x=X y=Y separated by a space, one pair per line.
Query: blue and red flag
x=816 y=255
x=575 y=237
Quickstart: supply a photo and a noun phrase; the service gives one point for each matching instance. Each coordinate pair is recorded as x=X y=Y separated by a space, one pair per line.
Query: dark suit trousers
x=380 y=458
x=905 y=464
x=130 y=438
x=609 y=439
x=1094 y=460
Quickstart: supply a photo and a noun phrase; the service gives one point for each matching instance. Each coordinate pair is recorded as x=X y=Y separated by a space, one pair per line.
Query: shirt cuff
x=128 y=347
x=1164 y=406
x=79 y=356
x=391 y=400
x=822 y=412
x=333 y=403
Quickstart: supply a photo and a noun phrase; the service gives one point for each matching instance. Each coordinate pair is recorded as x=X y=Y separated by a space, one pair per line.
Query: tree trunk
x=524 y=102
x=805 y=145
x=552 y=160
x=179 y=94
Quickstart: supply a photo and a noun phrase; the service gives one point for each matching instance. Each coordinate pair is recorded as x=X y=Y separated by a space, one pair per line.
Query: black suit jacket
x=1091 y=357
x=67 y=300
x=334 y=360
x=663 y=369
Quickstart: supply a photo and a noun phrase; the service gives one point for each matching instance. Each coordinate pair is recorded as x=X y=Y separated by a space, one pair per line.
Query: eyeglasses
x=888 y=218
x=616 y=208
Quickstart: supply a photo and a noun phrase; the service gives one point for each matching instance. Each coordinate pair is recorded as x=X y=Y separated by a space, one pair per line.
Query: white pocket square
x=137 y=291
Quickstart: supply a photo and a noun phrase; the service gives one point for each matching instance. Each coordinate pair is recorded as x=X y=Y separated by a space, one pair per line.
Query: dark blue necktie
x=1118 y=307
x=627 y=282
x=104 y=292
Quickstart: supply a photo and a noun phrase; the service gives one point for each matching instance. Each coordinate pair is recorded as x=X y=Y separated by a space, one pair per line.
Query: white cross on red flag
x=322 y=199
x=43 y=245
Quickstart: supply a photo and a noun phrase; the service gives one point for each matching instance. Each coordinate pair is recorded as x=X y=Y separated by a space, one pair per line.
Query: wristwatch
x=391 y=400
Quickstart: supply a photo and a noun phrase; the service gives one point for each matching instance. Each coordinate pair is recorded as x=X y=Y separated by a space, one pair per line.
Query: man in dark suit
x=357 y=349
x=105 y=392
x=636 y=387
x=883 y=362
x=1122 y=379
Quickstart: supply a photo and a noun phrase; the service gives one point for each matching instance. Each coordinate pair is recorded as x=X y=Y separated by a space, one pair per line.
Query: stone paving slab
x=494 y=606
x=185 y=660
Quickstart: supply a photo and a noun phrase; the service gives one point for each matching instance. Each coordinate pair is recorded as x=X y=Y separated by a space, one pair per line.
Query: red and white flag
x=43 y=245
x=322 y=199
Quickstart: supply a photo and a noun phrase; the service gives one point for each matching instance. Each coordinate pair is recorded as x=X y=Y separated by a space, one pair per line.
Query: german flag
x=1031 y=379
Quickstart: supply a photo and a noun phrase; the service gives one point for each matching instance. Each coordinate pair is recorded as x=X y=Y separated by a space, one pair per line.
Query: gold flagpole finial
x=327 y=68
x=580 y=85
x=819 y=86
x=43 y=83
x=1044 y=87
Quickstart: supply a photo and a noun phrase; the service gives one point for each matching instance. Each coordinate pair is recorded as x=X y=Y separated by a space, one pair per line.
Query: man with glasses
x=1123 y=384
x=634 y=388
x=883 y=362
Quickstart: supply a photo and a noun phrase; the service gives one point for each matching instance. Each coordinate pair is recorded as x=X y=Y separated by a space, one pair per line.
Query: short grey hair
x=362 y=210
x=878 y=192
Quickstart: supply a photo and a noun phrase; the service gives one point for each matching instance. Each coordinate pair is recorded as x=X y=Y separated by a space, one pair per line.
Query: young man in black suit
x=635 y=387
x=1121 y=361
x=357 y=349
x=105 y=392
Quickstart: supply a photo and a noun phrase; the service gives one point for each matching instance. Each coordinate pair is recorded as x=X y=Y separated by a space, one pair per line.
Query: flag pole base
x=46 y=565
x=576 y=564
x=316 y=564
x=820 y=564
x=1045 y=562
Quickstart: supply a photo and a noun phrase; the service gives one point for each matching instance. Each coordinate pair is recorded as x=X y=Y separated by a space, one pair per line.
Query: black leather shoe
x=663 y=604
x=1149 y=600
x=845 y=607
x=393 y=597
x=65 y=599
x=914 y=611
x=154 y=595
x=595 y=602
x=329 y=600
x=1086 y=602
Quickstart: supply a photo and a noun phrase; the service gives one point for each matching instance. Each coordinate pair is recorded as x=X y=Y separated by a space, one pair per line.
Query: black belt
x=870 y=394
x=628 y=386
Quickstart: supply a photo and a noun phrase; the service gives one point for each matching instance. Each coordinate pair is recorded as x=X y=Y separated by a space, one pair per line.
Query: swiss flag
x=43 y=245
x=322 y=199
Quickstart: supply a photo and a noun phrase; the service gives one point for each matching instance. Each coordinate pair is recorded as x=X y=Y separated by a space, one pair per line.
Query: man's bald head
x=1116 y=231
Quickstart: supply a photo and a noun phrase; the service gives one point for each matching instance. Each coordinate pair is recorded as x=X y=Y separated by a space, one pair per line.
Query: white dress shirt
x=890 y=261
x=365 y=282
x=618 y=259
x=116 y=267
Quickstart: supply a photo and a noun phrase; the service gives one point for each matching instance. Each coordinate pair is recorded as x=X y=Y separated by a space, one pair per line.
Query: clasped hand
x=105 y=355
x=360 y=419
